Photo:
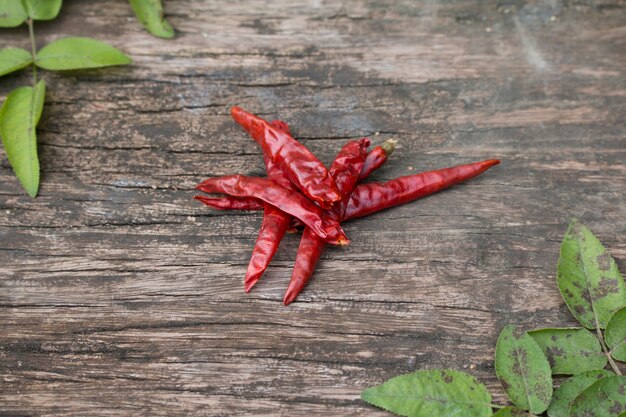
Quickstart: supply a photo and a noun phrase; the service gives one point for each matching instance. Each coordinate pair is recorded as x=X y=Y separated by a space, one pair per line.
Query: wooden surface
x=120 y=295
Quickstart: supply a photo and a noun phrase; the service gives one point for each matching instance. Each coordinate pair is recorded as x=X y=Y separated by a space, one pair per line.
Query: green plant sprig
x=525 y=361
x=22 y=108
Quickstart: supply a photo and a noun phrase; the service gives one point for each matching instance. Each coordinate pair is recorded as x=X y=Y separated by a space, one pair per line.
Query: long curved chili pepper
x=290 y=202
x=274 y=225
x=298 y=163
x=375 y=159
x=345 y=170
x=273 y=228
x=373 y=197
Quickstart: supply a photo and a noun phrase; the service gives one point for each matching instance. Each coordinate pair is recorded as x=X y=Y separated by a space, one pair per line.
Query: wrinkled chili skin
x=290 y=202
x=297 y=162
x=273 y=227
x=281 y=125
x=345 y=171
x=309 y=253
x=374 y=197
x=231 y=203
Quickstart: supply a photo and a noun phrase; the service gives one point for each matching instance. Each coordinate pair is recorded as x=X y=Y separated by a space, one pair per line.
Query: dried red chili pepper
x=273 y=227
x=290 y=202
x=345 y=171
x=302 y=168
x=374 y=197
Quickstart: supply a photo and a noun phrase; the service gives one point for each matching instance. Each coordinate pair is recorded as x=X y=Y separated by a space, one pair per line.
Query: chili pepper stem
x=389 y=146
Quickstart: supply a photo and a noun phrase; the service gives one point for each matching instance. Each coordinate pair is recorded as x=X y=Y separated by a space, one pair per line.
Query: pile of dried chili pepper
x=300 y=191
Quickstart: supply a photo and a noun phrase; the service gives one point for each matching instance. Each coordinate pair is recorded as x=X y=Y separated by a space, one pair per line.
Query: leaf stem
x=497 y=406
x=606 y=352
x=33 y=48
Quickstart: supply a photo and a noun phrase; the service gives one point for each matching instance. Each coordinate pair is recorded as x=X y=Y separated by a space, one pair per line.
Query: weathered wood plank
x=119 y=294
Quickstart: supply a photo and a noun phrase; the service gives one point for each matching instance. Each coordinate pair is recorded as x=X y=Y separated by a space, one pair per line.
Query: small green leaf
x=12 y=59
x=79 y=53
x=12 y=13
x=510 y=412
x=570 y=351
x=150 y=14
x=42 y=9
x=432 y=393
x=523 y=370
x=604 y=398
x=18 y=119
x=588 y=278
x=565 y=395
x=615 y=335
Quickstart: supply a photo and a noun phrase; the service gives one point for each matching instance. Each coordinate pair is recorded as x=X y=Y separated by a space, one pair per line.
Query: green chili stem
x=33 y=48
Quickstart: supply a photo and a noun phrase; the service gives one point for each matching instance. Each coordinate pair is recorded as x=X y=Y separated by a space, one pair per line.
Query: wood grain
x=120 y=295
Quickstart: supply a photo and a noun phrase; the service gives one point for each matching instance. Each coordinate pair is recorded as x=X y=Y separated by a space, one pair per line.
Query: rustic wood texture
x=120 y=295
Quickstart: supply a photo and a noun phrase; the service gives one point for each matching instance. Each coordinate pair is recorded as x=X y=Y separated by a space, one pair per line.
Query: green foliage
x=21 y=111
x=42 y=9
x=79 y=53
x=13 y=59
x=604 y=398
x=432 y=393
x=570 y=351
x=615 y=335
x=150 y=14
x=12 y=13
x=594 y=291
x=18 y=119
x=565 y=395
x=588 y=278
x=523 y=370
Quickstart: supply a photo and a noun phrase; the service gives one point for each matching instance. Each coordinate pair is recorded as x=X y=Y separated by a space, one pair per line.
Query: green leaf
x=432 y=393
x=523 y=370
x=12 y=59
x=12 y=13
x=565 y=395
x=511 y=412
x=18 y=119
x=588 y=278
x=615 y=335
x=604 y=398
x=79 y=53
x=42 y=9
x=150 y=14
x=570 y=351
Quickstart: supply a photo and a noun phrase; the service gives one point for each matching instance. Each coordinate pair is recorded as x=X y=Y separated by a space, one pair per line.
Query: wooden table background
x=121 y=295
